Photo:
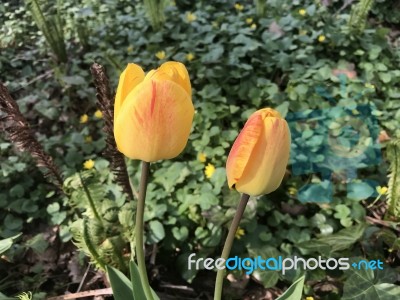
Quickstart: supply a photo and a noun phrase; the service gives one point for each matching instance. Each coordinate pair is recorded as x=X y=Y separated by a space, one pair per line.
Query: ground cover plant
x=331 y=68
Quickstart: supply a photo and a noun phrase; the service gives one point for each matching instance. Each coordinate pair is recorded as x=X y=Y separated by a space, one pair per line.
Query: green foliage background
x=237 y=68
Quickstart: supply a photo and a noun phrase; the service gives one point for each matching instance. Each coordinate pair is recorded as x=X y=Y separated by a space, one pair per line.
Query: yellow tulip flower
x=257 y=161
x=153 y=113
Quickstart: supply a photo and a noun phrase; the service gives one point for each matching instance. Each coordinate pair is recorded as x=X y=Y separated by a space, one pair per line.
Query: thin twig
x=344 y=6
x=392 y=225
x=177 y=287
x=153 y=255
x=83 y=279
x=93 y=293
x=37 y=78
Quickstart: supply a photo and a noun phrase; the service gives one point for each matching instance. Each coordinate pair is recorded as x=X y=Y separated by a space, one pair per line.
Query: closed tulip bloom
x=257 y=161
x=153 y=113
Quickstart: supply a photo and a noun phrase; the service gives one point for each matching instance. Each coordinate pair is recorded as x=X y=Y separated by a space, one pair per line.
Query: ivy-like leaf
x=369 y=285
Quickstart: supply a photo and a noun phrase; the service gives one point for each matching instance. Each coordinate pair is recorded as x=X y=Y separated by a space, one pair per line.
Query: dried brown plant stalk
x=21 y=135
x=106 y=105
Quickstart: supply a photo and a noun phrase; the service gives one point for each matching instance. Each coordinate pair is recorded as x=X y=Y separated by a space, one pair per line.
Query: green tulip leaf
x=295 y=291
x=138 y=291
x=120 y=284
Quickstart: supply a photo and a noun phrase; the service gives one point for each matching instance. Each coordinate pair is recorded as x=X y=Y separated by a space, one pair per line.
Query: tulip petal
x=257 y=161
x=178 y=73
x=242 y=148
x=129 y=79
x=174 y=71
x=155 y=121
x=267 y=165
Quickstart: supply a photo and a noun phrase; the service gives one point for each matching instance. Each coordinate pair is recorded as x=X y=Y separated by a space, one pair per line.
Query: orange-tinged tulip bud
x=258 y=158
x=153 y=114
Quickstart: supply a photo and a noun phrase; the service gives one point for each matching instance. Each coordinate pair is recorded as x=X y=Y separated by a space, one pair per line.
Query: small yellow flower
x=201 y=157
x=370 y=86
x=209 y=170
x=190 y=56
x=98 y=114
x=84 y=118
x=382 y=190
x=239 y=233
x=160 y=55
x=88 y=139
x=292 y=191
x=310 y=298
x=214 y=24
x=253 y=26
x=129 y=49
x=249 y=20
x=302 y=12
x=89 y=164
x=239 y=7
x=190 y=17
x=321 y=38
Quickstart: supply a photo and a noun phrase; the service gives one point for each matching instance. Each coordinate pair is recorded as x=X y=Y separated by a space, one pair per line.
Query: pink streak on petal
x=153 y=97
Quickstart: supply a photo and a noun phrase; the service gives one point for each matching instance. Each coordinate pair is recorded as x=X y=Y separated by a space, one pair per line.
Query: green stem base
x=228 y=244
x=139 y=230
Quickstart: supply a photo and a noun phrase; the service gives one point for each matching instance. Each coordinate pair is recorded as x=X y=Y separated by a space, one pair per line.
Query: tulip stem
x=139 y=230
x=228 y=244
